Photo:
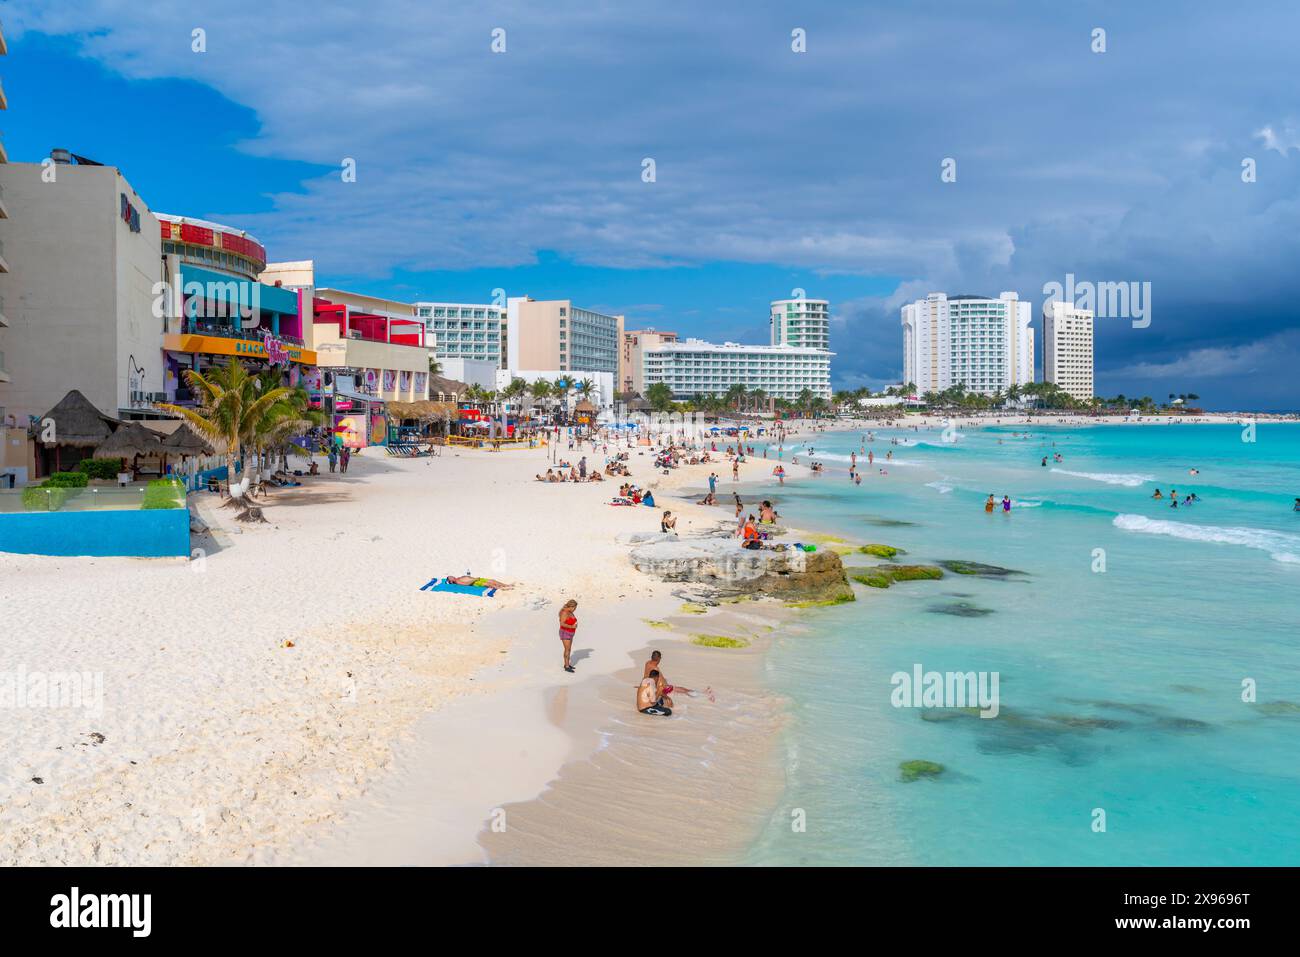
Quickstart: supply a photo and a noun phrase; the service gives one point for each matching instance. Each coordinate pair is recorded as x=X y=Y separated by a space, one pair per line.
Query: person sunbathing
x=477 y=582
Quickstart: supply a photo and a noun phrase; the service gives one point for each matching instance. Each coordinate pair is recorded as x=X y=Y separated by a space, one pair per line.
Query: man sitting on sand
x=651 y=670
x=648 y=700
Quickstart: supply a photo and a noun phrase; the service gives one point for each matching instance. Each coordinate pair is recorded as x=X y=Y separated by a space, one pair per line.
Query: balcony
x=204 y=327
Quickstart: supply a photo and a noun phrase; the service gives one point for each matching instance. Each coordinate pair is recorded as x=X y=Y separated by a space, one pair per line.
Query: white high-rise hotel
x=983 y=344
x=799 y=358
x=1067 y=348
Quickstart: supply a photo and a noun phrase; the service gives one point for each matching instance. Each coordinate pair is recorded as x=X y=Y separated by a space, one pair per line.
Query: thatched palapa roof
x=423 y=410
x=185 y=441
x=130 y=439
x=77 y=423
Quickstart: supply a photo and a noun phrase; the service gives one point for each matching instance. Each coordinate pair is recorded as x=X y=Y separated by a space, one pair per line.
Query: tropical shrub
x=68 y=480
x=47 y=497
x=100 y=468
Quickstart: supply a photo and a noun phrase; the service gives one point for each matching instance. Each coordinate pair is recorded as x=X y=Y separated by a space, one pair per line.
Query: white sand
x=220 y=744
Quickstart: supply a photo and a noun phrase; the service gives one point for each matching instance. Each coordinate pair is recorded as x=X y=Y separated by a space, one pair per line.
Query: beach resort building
x=1067 y=348
x=459 y=330
x=556 y=334
x=218 y=308
x=983 y=344
x=78 y=281
x=802 y=323
x=630 y=363
x=694 y=368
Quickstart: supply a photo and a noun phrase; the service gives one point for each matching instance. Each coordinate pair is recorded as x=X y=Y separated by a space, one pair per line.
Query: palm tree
x=660 y=396
x=233 y=408
x=435 y=367
x=516 y=390
x=541 y=391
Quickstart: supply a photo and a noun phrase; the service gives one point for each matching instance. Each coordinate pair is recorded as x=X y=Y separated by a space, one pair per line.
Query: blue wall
x=140 y=533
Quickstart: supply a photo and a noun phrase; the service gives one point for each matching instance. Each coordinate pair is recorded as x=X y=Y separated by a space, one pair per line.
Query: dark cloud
x=1118 y=166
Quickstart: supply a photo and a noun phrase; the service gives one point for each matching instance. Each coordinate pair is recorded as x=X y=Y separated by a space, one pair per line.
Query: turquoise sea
x=1120 y=689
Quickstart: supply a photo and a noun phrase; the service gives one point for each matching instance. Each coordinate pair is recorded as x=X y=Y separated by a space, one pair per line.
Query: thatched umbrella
x=73 y=423
x=130 y=441
x=186 y=442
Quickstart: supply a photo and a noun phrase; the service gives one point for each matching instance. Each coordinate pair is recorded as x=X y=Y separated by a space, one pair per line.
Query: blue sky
x=774 y=169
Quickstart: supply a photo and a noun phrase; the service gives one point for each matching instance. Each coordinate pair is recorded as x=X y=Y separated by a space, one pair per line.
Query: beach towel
x=441 y=584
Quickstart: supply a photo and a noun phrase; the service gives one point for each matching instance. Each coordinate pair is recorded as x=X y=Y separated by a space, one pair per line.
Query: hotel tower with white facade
x=1067 y=348
x=983 y=344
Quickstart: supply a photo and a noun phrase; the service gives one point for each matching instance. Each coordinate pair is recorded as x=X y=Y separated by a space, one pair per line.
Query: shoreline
x=280 y=720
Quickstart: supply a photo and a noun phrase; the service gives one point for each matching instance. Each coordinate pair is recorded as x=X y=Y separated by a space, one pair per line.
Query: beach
x=290 y=695
x=254 y=694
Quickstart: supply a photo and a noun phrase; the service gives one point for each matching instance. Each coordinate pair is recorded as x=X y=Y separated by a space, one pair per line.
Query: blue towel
x=441 y=584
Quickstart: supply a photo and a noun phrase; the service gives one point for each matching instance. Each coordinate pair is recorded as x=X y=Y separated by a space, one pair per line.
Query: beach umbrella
x=186 y=442
x=129 y=442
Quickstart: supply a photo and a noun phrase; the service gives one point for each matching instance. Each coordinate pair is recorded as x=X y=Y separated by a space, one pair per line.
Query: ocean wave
x=1026 y=504
x=1110 y=478
x=1280 y=546
x=943 y=488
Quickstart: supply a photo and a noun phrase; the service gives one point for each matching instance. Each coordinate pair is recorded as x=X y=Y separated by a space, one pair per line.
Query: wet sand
x=693 y=788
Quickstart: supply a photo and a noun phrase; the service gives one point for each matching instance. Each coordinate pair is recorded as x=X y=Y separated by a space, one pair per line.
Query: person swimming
x=1157 y=494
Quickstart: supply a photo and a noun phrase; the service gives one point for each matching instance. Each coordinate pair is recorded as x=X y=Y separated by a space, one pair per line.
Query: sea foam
x=1110 y=478
x=1280 y=546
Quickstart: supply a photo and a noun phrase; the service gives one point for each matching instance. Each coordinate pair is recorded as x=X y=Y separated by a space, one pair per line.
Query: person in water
x=989 y=505
x=568 y=628
x=1006 y=504
x=1044 y=463
x=1157 y=494
x=648 y=700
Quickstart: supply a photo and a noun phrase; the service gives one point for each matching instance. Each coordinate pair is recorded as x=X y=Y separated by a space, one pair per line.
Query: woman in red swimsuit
x=568 y=626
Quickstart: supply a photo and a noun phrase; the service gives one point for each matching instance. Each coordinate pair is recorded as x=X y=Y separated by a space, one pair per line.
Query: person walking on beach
x=582 y=468
x=568 y=628
x=713 y=482
x=344 y=457
x=333 y=456
x=735 y=470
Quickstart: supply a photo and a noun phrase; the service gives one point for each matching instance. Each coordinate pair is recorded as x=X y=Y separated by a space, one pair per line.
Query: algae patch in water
x=915 y=770
x=718 y=641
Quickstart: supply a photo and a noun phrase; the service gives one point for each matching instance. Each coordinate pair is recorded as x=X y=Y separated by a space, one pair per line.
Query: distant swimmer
x=1157 y=494
x=990 y=505
x=1296 y=506
x=1044 y=462
x=1006 y=504
x=1193 y=471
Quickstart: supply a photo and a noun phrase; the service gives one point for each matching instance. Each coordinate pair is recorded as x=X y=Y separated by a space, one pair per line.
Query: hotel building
x=693 y=368
x=802 y=323
x=78 y=281
x=1067 y=348
x=555 y=334
x=218 y=309
x=459 y=330
x=983 y=344
x=630 y=363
